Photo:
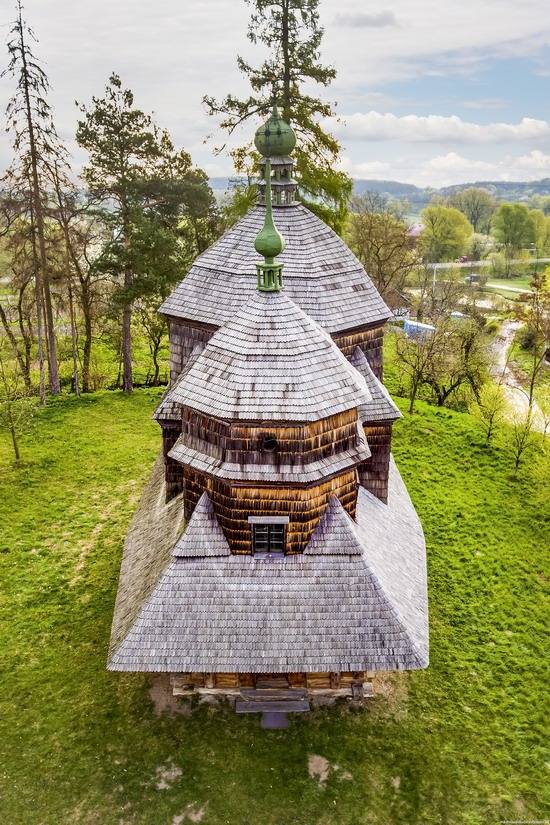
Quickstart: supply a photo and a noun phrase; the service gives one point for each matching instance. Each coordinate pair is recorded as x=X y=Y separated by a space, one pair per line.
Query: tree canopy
x=476 y=204
x=150 y=195
x=513 y=226
x=291 y=31
x=446 y=233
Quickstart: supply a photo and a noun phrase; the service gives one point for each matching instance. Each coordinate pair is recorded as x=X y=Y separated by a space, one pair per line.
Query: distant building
x=415 y=230
x=414 y=329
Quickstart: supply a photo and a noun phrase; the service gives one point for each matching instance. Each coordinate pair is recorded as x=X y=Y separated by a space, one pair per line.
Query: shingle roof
x=204 y=536
x=381 y=406
x=330 y=608
x=270 y=362
x=148 y=549
x=321 y=274
x=167 y=410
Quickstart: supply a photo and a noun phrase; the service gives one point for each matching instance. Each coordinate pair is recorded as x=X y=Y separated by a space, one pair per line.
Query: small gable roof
x=203 y=536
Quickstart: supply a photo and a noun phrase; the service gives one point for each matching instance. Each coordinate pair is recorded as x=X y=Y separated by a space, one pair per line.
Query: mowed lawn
x=462 y=742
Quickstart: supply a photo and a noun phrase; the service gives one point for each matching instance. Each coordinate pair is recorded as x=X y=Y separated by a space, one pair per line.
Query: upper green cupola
x=275 y=138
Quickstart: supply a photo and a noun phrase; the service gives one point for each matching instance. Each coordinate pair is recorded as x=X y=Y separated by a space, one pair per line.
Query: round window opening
x=270 y=443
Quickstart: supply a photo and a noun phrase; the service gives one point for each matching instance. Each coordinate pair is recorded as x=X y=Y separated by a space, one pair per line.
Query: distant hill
x=515 y=191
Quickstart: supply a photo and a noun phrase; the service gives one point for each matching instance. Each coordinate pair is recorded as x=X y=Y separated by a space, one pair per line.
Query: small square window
x=268 y=538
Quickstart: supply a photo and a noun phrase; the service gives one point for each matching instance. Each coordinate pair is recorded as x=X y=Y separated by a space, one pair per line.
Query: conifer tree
x=37 y=147
x=158 y=207
x=291 y=31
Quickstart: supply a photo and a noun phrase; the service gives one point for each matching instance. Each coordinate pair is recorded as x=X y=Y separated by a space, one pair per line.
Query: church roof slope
x=322 y=275
x=326 y=609
x=270 y=362
x=381 y=406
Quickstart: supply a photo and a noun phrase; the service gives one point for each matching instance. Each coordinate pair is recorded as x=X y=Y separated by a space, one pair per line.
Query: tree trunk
x=53 y=372
x=73 y=335
x=414 y=390
x=127 y=381
x=87 y=349
x=287 y=113
x=38 y=300
x=16 y=351
x=26 y=335
x=15 y=445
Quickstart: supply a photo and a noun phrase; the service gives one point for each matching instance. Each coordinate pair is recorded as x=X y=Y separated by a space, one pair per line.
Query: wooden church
x=276 y=546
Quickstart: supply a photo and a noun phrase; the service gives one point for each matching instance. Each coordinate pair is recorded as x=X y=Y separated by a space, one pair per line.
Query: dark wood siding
x=234 y=503
x=370 y=340
x=373 y=474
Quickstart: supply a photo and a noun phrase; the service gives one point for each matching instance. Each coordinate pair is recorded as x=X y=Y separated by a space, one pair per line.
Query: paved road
x=515 y=394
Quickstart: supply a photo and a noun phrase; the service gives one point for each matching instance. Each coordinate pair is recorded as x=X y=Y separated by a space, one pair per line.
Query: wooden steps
x=264 y=684
x=267 y=694
x=272 y=706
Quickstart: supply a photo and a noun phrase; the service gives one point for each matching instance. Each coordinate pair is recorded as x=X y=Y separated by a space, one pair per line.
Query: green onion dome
x=275 y=138
x=269 y=242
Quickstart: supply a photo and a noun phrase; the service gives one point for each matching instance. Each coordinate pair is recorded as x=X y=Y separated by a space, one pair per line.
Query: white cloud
x=375 y=126
x=450 y=168
x=484 y=103
x=359 y=19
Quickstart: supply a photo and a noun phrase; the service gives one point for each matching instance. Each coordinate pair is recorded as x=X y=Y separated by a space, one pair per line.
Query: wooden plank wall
x=313 y=681
x=370 y=340
x=234 y=503
x=373 y=474
x=243 y=443
x=173 y=470
x=183 y=339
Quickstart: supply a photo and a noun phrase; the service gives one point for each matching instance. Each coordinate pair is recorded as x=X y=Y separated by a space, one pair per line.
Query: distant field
x=462 y=743
x=507 y=285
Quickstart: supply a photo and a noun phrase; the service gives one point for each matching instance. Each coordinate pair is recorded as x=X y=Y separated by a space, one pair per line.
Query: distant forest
x=512 y=191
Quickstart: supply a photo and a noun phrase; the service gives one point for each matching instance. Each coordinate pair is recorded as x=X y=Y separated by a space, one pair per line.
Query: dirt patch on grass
x=318 y=768
x=393 y=687
x=164 y=700
x=191 y=813
x=166 y=776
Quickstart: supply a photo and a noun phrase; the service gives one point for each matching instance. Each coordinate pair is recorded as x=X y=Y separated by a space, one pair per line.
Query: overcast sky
x=430 y=92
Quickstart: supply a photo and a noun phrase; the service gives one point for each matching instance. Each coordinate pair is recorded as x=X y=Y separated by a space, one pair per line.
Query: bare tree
x=450 y=357
x=36 y=145
x=16 y=406
x=490 y=408
x=522 y=435
x=380 y=241
x=536 y=316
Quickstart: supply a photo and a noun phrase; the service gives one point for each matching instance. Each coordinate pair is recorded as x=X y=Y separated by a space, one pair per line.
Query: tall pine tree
x=159 y=208
x=291 y=31
x=37 y=149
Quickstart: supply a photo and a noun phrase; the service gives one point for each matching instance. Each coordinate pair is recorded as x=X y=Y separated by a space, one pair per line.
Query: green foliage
x=379 y=239
x=145 y=188
x=513 y=225
x=460 y=743
x=446 y=233
x=291 y=31
x=476 y=204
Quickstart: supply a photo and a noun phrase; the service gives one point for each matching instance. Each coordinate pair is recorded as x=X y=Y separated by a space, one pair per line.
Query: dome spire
x=274 y=138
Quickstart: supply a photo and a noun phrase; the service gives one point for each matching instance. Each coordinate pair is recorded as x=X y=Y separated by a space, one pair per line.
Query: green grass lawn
x=521 y=361
x=462 y=742
x=517 y=282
